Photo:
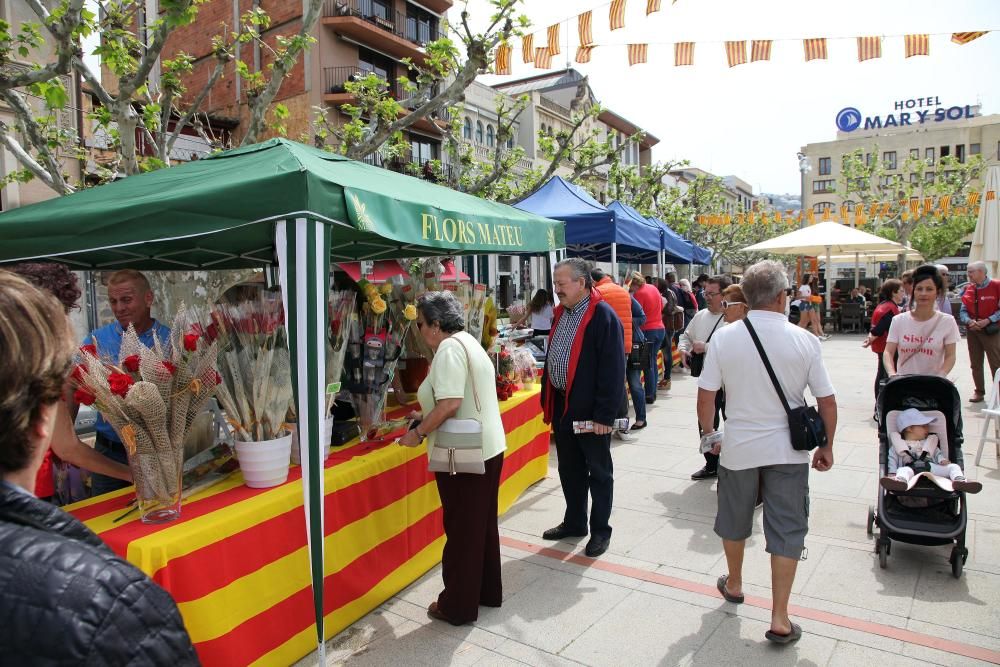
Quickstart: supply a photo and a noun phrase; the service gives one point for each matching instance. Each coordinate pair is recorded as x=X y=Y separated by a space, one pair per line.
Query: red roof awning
x=383 y=271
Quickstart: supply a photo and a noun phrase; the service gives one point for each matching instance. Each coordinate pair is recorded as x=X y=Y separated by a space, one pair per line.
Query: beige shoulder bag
x=458 y=443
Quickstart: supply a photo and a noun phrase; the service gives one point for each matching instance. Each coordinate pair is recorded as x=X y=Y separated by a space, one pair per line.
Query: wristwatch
x=419 y=434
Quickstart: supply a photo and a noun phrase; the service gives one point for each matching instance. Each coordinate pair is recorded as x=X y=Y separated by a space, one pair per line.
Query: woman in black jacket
x=65 y=597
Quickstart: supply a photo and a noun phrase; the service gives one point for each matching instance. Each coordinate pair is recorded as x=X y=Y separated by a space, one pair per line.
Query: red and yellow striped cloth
x=236 y=561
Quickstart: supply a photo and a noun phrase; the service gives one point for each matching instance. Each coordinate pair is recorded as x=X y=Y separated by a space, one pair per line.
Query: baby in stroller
x=915 y=450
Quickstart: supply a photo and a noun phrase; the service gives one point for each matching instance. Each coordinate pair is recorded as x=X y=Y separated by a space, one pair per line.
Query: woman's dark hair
x=662 y=285
x=701 y=280
x=928 y=272
x=443 y=308
x=541 y=299
x=53 y=278
x=889 y=288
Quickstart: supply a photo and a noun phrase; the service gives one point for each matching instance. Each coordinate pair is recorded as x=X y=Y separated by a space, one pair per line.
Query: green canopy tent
x=277 y=202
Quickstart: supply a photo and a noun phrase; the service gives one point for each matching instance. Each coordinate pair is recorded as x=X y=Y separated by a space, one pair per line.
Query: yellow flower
x=378 y=306
x=387 y=288
x=410 y=312
x=370 y=291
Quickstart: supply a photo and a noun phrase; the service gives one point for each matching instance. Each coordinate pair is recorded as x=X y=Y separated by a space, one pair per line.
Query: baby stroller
x=926 y=514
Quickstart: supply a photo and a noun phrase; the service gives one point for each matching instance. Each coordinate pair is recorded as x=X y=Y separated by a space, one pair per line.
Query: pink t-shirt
x=920 y=345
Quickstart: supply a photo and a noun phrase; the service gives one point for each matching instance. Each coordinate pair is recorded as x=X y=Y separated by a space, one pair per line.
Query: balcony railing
x=374 y=12
x=555 y=107
x=335 y=81
x=419 y=32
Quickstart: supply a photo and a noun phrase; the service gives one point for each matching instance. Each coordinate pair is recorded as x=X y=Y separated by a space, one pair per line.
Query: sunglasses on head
x=726 y=304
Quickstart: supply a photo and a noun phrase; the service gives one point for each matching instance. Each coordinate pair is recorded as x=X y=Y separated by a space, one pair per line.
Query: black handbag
x=638 y=359
x=696 y=360
x=804 y=424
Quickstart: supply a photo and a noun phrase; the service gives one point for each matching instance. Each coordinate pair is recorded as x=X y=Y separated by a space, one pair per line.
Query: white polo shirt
x=756 y=430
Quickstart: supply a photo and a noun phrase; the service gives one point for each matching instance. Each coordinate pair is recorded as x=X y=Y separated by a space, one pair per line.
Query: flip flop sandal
x=721 y=585
x=792 y=636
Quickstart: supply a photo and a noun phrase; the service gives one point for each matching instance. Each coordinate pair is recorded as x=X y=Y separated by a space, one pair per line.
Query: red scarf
x=574 y=355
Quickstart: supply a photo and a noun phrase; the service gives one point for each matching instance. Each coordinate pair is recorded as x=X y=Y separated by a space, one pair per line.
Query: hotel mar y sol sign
x=912 y=112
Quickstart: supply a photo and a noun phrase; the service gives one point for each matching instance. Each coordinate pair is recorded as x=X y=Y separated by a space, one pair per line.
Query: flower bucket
x=327 y=438
x=264 y=464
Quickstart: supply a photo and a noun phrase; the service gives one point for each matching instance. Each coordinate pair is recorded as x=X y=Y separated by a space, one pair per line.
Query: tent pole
x=857 y=268
x=303 y=247
x=828 y=277
x=475 y=269
x=614 y=262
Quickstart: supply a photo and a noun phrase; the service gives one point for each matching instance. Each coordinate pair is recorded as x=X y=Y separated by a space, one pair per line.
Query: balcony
x=439 y=6
x=335 y=93
x=370 y=22
x=408 y=164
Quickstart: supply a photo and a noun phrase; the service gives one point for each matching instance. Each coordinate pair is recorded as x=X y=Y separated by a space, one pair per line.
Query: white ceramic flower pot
x=264 y=464
x=327 y=438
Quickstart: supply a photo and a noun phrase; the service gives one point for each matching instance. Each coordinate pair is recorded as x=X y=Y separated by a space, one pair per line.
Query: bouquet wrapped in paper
x=343 y=319
x=150 y=396
x=524 y=365
x=375 y=345
x=254 y=364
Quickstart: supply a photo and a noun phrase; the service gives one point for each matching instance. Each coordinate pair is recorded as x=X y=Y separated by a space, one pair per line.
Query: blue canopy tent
x=695 y=253
x=593 y=231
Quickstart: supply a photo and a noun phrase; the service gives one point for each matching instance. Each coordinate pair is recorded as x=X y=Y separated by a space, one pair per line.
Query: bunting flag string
x=918 y=45
x=815 y=48
x=636 y=54
x=554 y=40
x=966 y=37
x=736 y=53
x=760 y=50
x=583 y=54
x=584 y=22
x=683 y=54
x=653 y=6
x=502 y=61
x=616 y=15
x=528 y=48
x=868 y=48
x=543 y=58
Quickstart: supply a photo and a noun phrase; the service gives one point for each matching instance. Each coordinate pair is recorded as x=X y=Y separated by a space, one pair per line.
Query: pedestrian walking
x=756 y=451
x=943 y=303
x=925 y=337
x=673 y=324
x=461 y=385
x=65 y=597
x=583 y=381
x=622 y=302
x=890 y=297
x=692 y=347
x=980 y=313
x=653 y=330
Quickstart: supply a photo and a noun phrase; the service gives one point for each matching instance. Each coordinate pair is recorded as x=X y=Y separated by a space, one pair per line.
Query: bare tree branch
x=36 y=139
x=220 y=66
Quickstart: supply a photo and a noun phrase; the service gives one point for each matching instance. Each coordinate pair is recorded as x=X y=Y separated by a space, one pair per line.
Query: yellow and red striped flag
x=886 y=208
x=683 y=53
x=917 y=45
x=736 y=53
x=760 y=49
x=637 y=53
x=827 y=214
x=991 y=195
x=616 y=15
x=874 y=209
x=859 y=216
x=815 y=48
x=583 y=54
x=811 y=217
x=503 y=59
x=966 y=37
x=653 y=6
x=543 y=59
x=528 y=48
x=868 y=48
x=584 y=22
x=554 y=39
x=944 y=204
x=973 y=198
x=928 y=205
x=915 y=207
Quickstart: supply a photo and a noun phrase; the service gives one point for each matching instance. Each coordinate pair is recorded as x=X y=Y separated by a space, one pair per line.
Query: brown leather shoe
x=434 y=612
x=977 y=398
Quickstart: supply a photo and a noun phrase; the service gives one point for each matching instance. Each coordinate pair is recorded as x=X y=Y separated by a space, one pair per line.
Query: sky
x=750 y=120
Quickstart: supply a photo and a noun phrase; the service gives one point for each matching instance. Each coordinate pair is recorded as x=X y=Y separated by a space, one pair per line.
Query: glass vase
x=158 y=478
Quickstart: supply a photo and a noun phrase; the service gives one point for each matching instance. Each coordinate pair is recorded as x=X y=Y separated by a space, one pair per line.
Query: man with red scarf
x=980 y=313
x=583 y=380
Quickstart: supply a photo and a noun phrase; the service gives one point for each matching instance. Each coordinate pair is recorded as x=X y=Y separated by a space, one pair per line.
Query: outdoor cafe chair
x=851 y=316
x=991 y=414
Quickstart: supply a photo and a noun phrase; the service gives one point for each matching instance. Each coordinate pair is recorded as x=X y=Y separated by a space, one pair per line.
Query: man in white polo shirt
x=756 y=450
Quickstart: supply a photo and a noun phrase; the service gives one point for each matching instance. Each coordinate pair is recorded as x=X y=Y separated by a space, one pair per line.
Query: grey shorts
x=785 y=491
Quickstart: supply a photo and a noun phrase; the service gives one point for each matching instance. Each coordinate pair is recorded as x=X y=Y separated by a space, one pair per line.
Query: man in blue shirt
x=130 y=297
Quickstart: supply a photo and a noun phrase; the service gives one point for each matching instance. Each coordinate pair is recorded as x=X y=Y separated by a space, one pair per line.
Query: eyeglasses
x=711 y=294
x=726 y=304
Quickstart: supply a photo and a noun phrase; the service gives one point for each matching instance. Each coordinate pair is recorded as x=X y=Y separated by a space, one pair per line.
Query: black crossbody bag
x=805 y=425
x=696 y=361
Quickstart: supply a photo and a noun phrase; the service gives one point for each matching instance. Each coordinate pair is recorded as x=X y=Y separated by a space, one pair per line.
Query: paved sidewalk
x=651 y=600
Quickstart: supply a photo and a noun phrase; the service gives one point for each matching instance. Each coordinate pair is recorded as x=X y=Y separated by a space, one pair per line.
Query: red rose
x=84 y=397
x=120 y=383
x=171 y=368
x=131 y=363
x=77 y=375
x=212 y=331
x=218 y=378
x=89 y=349
x=191 y=342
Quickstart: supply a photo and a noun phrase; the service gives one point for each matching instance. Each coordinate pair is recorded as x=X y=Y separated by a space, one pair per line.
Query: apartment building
x=737 y=194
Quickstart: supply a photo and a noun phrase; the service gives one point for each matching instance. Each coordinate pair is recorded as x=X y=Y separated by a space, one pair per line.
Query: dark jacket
x=67 y=599
x=596 y=379
x=638 y=319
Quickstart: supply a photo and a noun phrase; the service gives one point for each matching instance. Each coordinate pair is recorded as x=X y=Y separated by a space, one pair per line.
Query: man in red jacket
x=980 y=313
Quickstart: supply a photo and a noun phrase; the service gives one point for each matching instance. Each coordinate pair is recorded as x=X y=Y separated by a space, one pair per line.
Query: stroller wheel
x=957 y=559
x=870 y=529
x=883 y=553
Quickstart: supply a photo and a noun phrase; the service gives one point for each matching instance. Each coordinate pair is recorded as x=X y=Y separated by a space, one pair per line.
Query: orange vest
x=619 y=299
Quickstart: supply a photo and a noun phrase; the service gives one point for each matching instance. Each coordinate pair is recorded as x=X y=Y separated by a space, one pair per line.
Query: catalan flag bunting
x=944 y=204
x=583 y=54
x=815 y=48
x=502 y=62
x=585 y=23
x=616 y=14
x=653 y=6
x=554 y=39
x=528 y=48
x=868 y=48
x=915 y=207
x=637 y=53
x=966 y=37
x=928 y=205
x=683 y=54
x=760 y=49
x=973 y=198
x=736 y=53
x=991 y=195
x=917 y=45
x=543 y=59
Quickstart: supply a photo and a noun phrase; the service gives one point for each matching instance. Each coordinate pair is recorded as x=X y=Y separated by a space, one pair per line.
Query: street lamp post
x=804 y=168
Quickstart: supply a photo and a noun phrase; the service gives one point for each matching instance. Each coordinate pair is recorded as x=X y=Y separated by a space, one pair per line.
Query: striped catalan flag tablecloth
x=236 y=560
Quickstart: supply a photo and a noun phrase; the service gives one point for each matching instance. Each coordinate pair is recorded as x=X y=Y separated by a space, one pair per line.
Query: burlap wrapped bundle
x=156 y=461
